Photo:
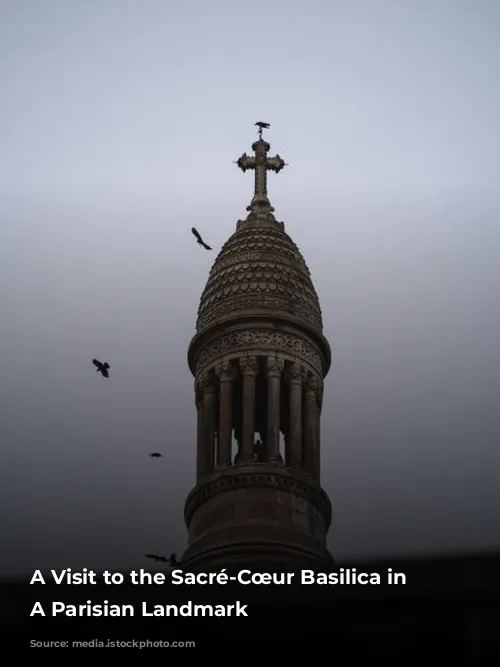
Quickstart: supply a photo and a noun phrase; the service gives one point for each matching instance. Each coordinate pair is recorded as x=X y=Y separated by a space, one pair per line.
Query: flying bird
x=199 y=239
x=172 y=560
x=158 y=559
x=262 y=125
x=102 y=368
x=156 y=455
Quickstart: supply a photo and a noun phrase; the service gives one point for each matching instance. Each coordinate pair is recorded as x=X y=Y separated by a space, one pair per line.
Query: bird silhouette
x=171 y=560
x=102 y=368
x=156 y=455
x=199 y=239
x=158 y=559
x=262 y=125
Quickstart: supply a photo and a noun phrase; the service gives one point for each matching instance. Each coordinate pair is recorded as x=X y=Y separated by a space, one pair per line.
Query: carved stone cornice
x=207 y=490
x=259 y=341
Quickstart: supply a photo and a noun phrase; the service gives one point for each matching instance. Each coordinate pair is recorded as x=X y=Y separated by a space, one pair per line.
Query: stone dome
x=259 y=272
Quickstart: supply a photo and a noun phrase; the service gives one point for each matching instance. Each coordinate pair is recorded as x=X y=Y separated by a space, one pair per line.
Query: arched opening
x=236 y=417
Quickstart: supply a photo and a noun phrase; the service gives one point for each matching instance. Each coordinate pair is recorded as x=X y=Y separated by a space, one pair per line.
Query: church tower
x=259 y=358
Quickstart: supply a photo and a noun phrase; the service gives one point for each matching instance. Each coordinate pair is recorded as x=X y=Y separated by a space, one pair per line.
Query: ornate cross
x=261 y=164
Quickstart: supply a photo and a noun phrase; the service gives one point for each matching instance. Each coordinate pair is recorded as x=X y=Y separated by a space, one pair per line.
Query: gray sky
x=119 y=123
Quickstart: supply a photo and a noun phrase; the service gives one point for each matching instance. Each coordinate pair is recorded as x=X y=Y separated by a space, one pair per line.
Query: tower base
x=257 y=515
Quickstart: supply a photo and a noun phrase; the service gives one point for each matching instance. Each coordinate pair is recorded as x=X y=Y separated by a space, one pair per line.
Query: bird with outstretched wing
x=172 y=560
x=102 y=367
x=200 y=241
x=157 y=559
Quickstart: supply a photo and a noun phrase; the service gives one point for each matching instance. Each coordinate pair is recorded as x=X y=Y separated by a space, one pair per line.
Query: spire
x=259 y=358
x=260 y=209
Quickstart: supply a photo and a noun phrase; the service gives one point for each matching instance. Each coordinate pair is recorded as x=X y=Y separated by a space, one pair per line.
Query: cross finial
x=260 y=207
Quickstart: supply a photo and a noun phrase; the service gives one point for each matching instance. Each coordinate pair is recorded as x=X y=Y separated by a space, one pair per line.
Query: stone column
x=248 y=366
x=294 y=449
x=200 y=451
x=209 y=396
x=274 y=369
x=309 y=454
x=226 y=375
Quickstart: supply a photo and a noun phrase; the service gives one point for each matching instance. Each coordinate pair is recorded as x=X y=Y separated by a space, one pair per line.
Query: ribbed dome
x=259 y=271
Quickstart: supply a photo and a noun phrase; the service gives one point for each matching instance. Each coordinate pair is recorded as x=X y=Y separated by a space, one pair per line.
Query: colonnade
x=216 y=391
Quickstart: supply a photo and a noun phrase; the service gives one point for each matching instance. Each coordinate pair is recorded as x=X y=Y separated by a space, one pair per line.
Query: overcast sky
x=119 y=124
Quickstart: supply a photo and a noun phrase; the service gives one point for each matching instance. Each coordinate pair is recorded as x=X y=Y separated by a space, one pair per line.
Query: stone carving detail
x=260 y=244
x=225 y=371
x=201 y=382
x=274 y=366
x=259 y=267
x=264 y=259
x=272 y=302
x=261 y=339
x=312 y=383
x=249 y=365
x=204 y=382
x=201 y=494
x=295 y=373
x=239 y=304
